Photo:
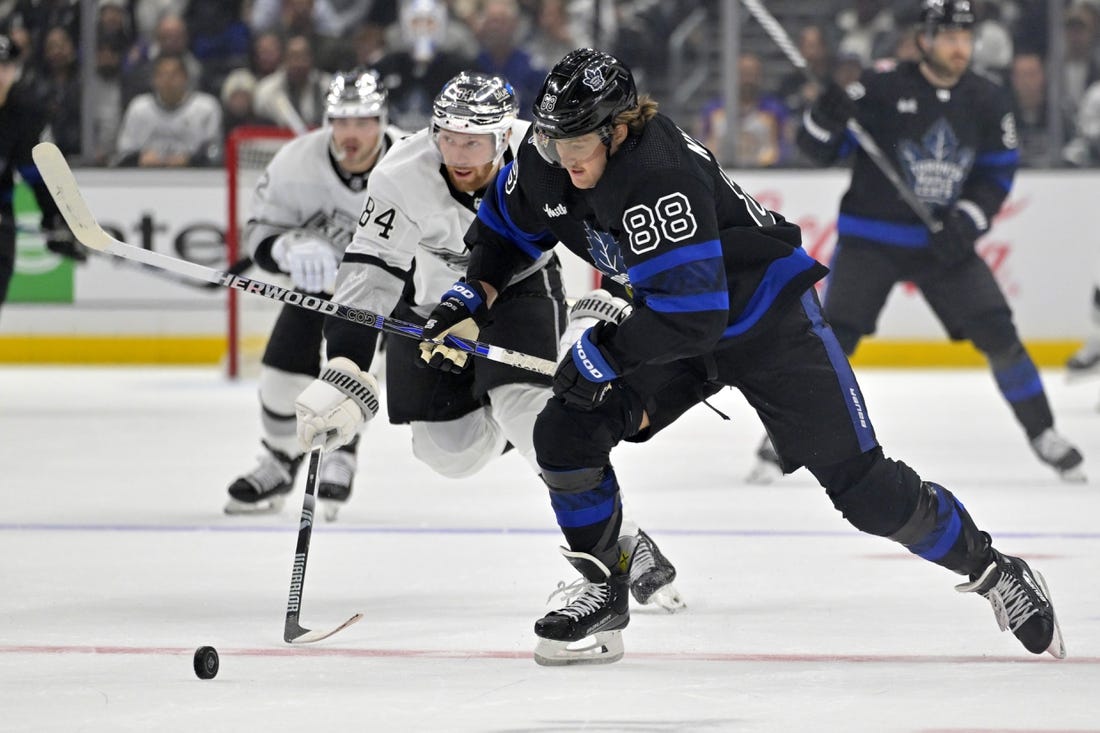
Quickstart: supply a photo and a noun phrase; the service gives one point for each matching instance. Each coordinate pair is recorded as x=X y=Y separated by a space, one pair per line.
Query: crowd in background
x=172 y=78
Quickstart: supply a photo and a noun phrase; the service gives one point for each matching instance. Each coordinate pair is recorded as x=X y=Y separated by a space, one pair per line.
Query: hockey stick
x=778 y=35
x=59 y=177
x=294 y=632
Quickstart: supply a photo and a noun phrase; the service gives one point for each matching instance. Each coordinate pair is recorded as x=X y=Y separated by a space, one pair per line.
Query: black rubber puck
x=206 y=662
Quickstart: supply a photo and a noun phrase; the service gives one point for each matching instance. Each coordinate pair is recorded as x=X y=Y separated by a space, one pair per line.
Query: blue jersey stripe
x=494 y=214
x=998 y=158
x=886 y=232
x=712 y=301
x=643 y=271
x=30 y=174
x=779 y=273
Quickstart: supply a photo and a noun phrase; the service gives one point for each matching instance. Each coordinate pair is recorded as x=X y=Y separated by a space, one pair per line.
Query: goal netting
x=250 y=318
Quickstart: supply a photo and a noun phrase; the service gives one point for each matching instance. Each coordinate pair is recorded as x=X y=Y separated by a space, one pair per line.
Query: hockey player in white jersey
x=304 y=213
x=406 y=255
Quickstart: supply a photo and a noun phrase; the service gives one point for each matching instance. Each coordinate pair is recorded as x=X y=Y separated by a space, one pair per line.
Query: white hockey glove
x=599 y=305
x=336 y=404
x=309 y=259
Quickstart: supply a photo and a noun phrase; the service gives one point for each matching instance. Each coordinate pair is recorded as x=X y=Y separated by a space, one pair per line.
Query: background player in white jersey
x=406 y=255
x=304 y=213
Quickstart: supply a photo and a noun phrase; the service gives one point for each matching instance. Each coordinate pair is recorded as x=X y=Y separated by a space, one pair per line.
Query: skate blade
x=264 y=506
x=604 y=647
x=1075 y=475
x=668 y=598
x=764 y=473
x=1057 y=647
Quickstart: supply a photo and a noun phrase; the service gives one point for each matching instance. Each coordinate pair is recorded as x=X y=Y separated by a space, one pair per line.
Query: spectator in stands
x=294 y=96
x=498 y=35
x=56 y=85
x=1080 y=67
x=32 y=20
x=1029 y=92
x=148 y=14
x=868 y=29
x=113 y=19
x=237 y=101
x=762 y=117
x=267 y=54
x=172 y=126
x=552 y=36
x=419 y=65
x=170 y=39
x=219 y=38
x=992 y=41
x=105 y=91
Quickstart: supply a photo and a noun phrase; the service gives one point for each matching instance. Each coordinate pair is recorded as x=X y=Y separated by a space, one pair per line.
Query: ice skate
x=1021 y=603
x=767 y=469
x=1059 y=454
x=1085 y=363
x=588 y=628
x=651 y=574
x=334 y=486
x=263 y=490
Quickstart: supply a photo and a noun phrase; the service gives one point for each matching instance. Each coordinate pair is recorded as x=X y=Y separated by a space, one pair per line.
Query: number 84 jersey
x=413 y=222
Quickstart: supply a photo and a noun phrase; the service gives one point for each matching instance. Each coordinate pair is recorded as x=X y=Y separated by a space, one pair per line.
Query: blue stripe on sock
x=1020 y=381
x=939 y=541
x=582 y=508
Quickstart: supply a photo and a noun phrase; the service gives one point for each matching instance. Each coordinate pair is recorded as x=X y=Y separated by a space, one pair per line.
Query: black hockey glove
x=60 y=239
x=460 y=313
x=833 y=109
x=955 y=241
x=585 y=377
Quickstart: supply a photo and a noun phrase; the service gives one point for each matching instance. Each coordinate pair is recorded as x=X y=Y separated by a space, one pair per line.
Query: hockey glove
x=310 y=261
x=60 y=239
x=336 y=404
x=460 y=313
x=585 y=377
x=599 y=305
x=833 y=109
x=955 y=241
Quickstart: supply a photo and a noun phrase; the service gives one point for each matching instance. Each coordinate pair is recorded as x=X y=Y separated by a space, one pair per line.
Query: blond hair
x=637 y=116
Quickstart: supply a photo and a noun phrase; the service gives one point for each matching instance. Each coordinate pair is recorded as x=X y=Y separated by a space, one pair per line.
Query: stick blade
x=295 y=634
x=61 y=183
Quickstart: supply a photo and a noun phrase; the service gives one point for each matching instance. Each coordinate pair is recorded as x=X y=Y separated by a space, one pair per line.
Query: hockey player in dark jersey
x=951 y=134
x=723 y=296
x=21 y=125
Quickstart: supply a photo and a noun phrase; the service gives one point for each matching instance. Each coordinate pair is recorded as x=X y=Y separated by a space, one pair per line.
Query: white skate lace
x=1011 y=604
x=581 y=597
x=338 y=468
x=268 y=474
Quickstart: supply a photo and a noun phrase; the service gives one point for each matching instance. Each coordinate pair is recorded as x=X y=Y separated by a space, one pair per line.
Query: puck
x=206 y=662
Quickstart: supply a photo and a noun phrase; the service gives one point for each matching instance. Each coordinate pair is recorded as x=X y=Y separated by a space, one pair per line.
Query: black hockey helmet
x=583 y=92
x=937 y=14
x=9 y=49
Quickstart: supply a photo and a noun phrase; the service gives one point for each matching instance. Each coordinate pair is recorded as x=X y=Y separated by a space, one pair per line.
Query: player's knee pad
x=876 y=494
x=461 y=447
x=515 y=408
x=994 y=334
x=278 y=390
x=567 y=437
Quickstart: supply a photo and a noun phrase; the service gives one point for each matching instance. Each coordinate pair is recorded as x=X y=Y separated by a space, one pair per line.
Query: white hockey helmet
x=356 y=93
x=476 y=104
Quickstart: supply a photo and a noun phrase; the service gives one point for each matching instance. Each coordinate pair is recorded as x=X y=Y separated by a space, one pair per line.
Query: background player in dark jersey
x=21 y=125
x=952 y=135
x=723 y=296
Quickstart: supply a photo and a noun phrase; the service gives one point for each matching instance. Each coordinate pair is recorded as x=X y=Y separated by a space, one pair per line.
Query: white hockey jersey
x=301 y=189
x=412 y=214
